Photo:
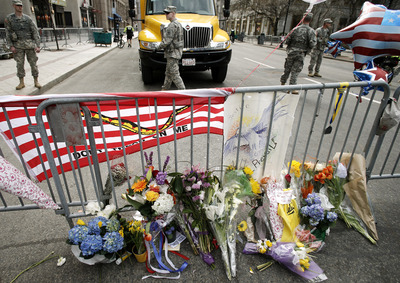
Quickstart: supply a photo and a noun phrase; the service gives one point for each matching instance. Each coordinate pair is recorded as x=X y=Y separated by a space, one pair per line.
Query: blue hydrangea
x=316 y=212
x=77 y=234
x=113 y=225
x=331 y=216
x=91 y=245
x=94 y=224
x=313 y=199
x=113 y=242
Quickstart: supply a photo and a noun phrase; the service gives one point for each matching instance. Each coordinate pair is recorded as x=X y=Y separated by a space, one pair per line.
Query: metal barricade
x=355 y=123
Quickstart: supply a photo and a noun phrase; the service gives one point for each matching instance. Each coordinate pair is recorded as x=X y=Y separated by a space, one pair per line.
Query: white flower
x=93 y=207
x=210 y=212
x=319 y=167
x=163 y=204
x=201 y=195
x=341 y=171
x=61 y=260
x=163 y=189
x=220 y=210
x=108 y=210
x=188 y=188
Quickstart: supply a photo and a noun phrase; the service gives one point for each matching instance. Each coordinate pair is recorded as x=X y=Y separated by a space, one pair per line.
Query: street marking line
x=260 y=63
x=352 y=93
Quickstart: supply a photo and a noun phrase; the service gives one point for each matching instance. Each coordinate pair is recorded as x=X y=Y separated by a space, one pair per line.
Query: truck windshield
x=201 y=7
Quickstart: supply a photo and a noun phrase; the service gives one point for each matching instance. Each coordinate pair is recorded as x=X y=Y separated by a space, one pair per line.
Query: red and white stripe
x=13 y=106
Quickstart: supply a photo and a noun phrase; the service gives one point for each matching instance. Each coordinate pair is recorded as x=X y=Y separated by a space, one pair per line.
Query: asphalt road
x=28 y=236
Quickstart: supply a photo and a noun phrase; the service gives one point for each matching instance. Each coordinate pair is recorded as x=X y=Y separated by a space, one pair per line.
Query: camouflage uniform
x=173 y=44
x=23 y=34
x=299 y=43
x=318 y=50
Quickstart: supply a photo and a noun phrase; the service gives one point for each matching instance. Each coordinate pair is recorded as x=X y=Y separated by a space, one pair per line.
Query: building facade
x=72 y=13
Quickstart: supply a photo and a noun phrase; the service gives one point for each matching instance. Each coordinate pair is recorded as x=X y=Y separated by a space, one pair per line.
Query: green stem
x=34 y=265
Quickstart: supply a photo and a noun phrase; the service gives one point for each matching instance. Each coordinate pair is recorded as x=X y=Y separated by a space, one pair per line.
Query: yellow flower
x=100 y=224
x=299 y=244
x=139 y=186
x=137 y=223
x=230 y=168
x=248 y=171
x=242 y=226
x=304 y=263
x=121 y=232
x=269 y=244
x=263 y=250
x=132 y=230
x=80 y=222
x=152 y=196
x=295 y=168
x=255 y=186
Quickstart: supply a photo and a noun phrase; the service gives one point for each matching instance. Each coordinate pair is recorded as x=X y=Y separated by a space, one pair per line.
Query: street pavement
x=29 y=236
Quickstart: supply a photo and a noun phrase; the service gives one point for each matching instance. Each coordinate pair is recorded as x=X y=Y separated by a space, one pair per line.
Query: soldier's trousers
x=316 y=59
x=172 y=74
x=293 y=65
x=32 y=58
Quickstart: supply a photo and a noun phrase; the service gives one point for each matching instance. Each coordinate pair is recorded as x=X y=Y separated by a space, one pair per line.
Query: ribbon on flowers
x=163 y=268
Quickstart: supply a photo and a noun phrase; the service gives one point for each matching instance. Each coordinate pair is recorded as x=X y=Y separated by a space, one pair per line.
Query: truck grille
x=197 y=37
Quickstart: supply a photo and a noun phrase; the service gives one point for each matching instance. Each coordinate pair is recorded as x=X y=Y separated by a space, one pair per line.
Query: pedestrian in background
x=172 y=43
x=233 y=35
x=129 y=34
x=300 y=42
x=23 y=39
x=322 y=34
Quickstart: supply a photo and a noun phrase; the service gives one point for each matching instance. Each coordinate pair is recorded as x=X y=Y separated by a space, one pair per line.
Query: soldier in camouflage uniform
x=23 y=38
x=299 y=43
x=172 y=44
x=318 y=51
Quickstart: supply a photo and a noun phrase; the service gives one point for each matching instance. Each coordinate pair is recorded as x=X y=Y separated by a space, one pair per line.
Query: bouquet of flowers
x=190 y=188
x=221 y=206
x=134 y=233
x=317 y=214
x=149 y=194
x=333 y=177
x=100 y=236
x=293 y=256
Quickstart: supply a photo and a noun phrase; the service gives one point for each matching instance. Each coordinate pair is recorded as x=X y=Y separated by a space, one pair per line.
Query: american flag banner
x=137 y=115
x=375 y=33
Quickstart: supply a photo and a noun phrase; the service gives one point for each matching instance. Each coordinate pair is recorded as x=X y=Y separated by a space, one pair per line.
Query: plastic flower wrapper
x=221 y=206
x=293 y=256
x=190 y=188
x=336 y=194
x=116 y=177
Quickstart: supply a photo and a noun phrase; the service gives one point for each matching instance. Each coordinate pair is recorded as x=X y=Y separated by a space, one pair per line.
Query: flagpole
x=287 y=12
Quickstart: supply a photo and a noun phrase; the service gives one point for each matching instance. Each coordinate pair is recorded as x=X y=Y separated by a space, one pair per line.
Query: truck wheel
x=219 y=73
x=147 y=74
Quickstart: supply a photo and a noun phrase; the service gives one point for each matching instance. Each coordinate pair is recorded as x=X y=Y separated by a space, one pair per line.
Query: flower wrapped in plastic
x=221 y=206
x=293 y=256
x=97 y=241
x=150 y=193
x=190 y=188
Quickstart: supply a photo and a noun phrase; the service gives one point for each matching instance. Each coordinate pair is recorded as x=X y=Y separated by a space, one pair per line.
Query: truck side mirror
x=226 y=13
x=227 y=4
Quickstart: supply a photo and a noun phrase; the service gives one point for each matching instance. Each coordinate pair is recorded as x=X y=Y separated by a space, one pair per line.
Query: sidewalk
x=54 y=66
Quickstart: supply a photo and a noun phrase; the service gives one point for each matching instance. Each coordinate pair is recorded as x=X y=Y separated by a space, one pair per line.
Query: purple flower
x=207 y=258
x=331 y=216
x=166 y=163
x=161 y=177
x=196 y=186
x=196 y=198
x=312 y=199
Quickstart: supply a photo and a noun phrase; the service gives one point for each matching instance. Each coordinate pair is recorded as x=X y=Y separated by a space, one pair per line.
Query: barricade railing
x=73 y=184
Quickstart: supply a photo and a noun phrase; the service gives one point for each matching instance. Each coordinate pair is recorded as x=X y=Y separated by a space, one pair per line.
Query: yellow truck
x=206 y=45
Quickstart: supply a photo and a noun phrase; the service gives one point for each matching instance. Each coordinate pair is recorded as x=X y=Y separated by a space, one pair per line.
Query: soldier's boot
x=282 y=83
x=37 y=84
x=310 y=74
x=317 y=75
x=21 y=84
x=295 y=92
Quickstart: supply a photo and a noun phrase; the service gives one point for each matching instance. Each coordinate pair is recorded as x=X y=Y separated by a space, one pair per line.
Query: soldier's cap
x=308 y=16
x=170 y=9
x=17 y=2
x=329 y=21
